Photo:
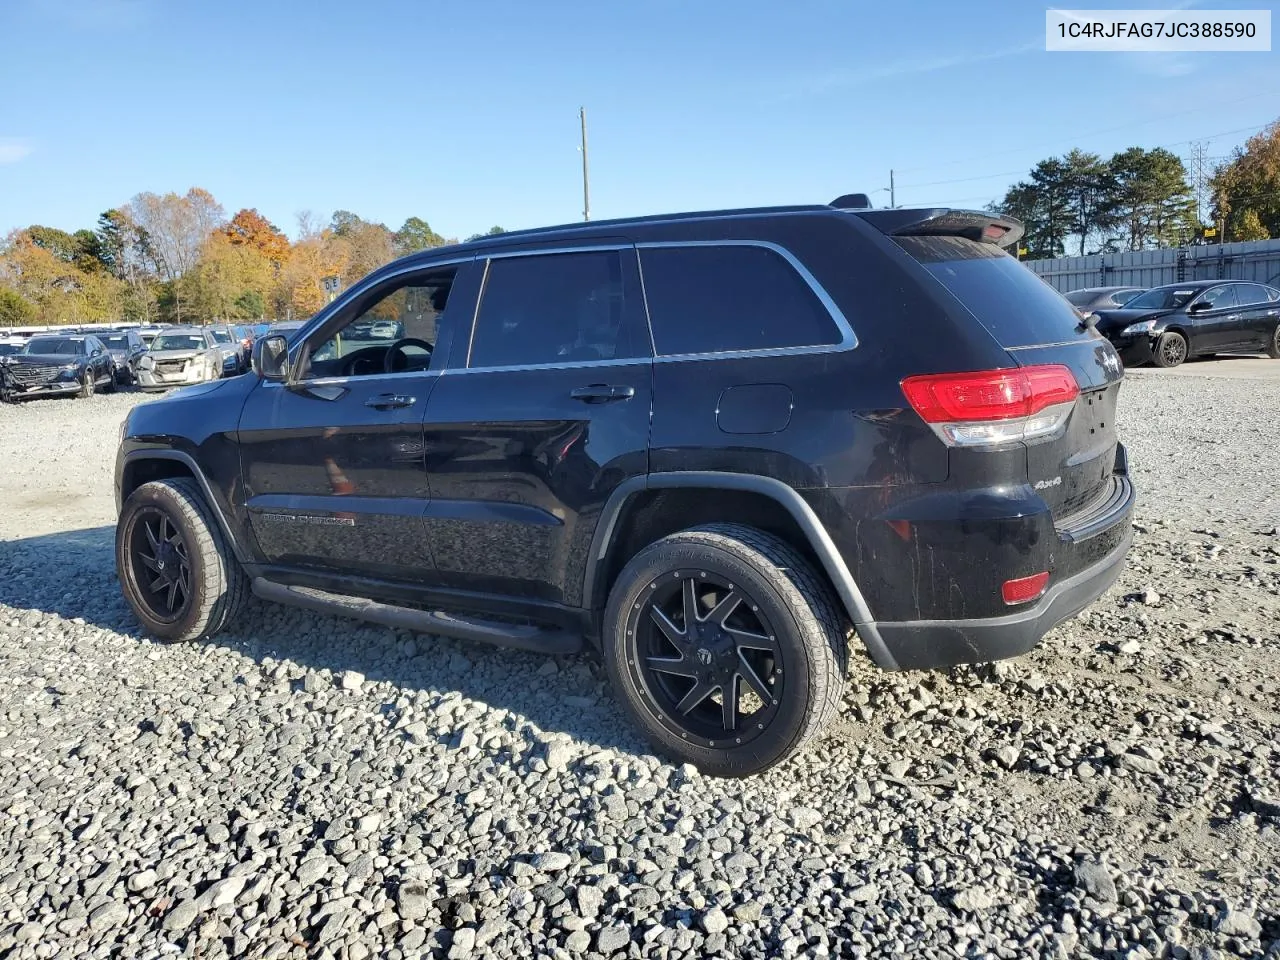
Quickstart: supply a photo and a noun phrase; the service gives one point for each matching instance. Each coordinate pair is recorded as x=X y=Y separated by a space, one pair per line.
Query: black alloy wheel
x=708 y=657
x=1171 y=349
x=160 y=565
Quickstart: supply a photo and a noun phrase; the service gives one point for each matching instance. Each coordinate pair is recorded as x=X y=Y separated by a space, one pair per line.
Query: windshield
x=54 y=345
x=116 y=342
x=1162 y=298
x=178 y=341
x=221 y=336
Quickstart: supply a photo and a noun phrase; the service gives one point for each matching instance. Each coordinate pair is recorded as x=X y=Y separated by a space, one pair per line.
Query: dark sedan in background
x=1168 y=324
x=49 y=366
x=1101 y=298
x=126 y=349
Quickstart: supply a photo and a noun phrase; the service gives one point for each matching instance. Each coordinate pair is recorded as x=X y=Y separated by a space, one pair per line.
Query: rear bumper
x=934 y=644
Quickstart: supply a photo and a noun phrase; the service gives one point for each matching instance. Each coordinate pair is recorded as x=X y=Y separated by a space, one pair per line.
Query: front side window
x=392 y=331
x=1217 y=298
x=555 y=308
x=725 y=297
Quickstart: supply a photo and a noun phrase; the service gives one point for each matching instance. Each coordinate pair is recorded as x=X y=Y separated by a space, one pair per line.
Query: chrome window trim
x=539 y=252
x=568 y=365
x=364 y=378
x=848 y=339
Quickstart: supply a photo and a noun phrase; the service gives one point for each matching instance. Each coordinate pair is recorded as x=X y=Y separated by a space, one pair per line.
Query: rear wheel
x=175 y=566
x=1170 y=349
x=1273 y=347
x=726 y=647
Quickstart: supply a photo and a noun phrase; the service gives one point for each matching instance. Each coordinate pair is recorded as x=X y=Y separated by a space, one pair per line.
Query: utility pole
x=892 y=205
x=586 y=185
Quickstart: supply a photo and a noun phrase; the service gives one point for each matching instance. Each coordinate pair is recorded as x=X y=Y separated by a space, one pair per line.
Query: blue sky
x=466 y=114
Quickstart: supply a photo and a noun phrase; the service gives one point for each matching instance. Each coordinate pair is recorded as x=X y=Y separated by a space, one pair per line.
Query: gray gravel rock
x=251 y=797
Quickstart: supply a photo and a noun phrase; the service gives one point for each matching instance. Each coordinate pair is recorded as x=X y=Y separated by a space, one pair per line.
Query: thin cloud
x=843 y=78
x=95 y=15
x=13 y=149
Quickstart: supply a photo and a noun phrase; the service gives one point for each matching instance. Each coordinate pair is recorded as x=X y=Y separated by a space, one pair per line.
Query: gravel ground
x=309 y=787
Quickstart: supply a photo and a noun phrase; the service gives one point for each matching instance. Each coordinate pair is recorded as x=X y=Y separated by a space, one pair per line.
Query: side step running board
x=514 y=635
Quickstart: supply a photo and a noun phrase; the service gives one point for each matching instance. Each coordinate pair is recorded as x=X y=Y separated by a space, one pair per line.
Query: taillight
x=994 y=406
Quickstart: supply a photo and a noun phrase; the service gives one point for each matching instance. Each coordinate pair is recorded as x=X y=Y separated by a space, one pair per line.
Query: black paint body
x=499 y=491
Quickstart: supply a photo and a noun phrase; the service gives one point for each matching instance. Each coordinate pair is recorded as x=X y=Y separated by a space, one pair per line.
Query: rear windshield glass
x=1016 y=306
x=116 y=343
x=1081 y=298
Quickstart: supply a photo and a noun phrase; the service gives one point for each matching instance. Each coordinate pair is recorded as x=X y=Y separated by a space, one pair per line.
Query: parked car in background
x=229 y=345
x=179 y=356
x=244 y=333
x=11 y=345
x=149 y=332
x=386 y=330
x=126 y=348
x=903 y=432
x=1168 y=324
x=53 y=365
x=1090 y=299
x=286 y=328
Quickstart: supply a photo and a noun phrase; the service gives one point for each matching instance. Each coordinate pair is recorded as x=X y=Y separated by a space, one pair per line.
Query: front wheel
x=87 y=385
x=175 y=566
x=1273 y=347
x=1170 y=349
x=726 y=647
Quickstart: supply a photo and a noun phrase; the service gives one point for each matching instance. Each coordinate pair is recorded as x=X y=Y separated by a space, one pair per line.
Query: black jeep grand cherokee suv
x=711 y=444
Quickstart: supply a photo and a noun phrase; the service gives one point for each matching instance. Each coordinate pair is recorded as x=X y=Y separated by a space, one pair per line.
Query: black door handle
x=603 y=392
x=389 y=401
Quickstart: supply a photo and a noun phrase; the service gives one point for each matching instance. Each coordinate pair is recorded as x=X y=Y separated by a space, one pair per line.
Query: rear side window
x=1248 y=294
x=717 y=298
x=1012 y=303
x=555 y=308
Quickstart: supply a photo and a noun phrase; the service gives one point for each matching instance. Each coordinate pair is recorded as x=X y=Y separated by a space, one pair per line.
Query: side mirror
x=270 y=358
x=1199 y=307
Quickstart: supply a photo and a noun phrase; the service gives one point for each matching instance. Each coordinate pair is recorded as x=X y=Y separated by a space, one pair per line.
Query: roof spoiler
x=973 y=225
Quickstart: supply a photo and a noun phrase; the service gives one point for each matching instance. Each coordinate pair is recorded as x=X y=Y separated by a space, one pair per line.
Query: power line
x=1095 y=133
x=1015 y=173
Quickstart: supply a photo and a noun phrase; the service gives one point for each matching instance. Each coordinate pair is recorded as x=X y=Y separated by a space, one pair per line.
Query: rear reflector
x=994 y=406
x=1024 y=589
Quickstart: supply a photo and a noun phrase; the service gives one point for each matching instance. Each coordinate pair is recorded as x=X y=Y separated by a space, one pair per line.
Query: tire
x=1170 y=349
x=1273 y=347
x=782 y=605
x=111 y=383
x=87 y=386
x=214 y=588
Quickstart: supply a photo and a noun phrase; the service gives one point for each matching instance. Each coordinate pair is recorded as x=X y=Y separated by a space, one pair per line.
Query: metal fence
x=1256 y=260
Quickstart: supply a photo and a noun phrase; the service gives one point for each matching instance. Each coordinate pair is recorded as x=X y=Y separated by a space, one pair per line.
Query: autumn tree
x=177 y=228
x=15 y=309
x=229 y=281
x=250 y=228
x=1246 y=189
x=416 y=234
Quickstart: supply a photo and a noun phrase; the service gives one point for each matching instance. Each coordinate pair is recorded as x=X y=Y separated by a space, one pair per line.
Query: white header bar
x=1158 y=30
